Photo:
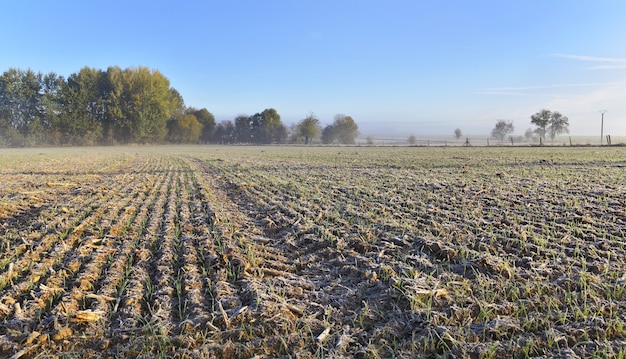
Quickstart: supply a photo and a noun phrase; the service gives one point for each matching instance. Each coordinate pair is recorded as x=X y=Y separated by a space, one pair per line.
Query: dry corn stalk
x=83 y=316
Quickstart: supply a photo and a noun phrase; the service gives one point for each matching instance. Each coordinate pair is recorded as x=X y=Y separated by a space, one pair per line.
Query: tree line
x=134 y=105
x=266 y=127
x=550 y=123
x=89 y=107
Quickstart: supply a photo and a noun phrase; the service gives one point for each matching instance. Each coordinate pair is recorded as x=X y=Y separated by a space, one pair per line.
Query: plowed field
x=265 y=252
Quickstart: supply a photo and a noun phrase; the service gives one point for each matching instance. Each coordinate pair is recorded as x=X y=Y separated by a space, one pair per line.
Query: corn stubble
x=196 y=252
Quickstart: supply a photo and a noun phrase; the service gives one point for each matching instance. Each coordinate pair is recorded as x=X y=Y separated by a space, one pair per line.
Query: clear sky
x=396 y=67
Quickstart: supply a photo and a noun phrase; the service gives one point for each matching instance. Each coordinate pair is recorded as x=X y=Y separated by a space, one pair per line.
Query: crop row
x=314 y=253
x=483 y=257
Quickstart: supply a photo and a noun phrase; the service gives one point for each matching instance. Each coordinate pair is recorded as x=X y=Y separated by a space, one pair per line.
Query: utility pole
x=602 y=127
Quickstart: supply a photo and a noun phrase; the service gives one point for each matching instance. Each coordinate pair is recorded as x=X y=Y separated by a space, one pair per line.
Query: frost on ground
x=240 y=252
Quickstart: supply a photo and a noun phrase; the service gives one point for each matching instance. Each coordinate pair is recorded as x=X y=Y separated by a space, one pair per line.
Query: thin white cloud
x=605 y=63
x=593 y=58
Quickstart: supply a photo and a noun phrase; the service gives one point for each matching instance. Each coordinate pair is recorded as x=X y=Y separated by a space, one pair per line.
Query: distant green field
x=313 y=252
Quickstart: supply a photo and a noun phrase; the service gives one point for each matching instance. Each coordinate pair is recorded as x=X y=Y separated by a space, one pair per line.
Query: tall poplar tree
x=83 y=100
x=22 y=116
x=141 y=102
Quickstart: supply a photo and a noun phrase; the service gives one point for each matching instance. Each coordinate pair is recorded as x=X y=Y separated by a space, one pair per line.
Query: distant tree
x=551 y=123
x=22 y=117
x=207 y=120
x=224 y=132
x=281 y=134
x=90 y=107
x=52 y=107
x=412 y=140
x=457 y=133
x=369 y=140
x=184 y=129
x=273 y=129
x=140 y=102
x=309 y=128
x=328 y=134
x=243 y=129
x=151 y=104
x=529 y=134
x=294 y=134
x=258 y=134
x=261 y=128
x=558 y=124
x=541 y=119
x=345 y=129
x=502 y=129
x=82 y=114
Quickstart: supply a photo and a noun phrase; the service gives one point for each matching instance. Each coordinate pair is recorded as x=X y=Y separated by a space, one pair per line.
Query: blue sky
x=396 y=67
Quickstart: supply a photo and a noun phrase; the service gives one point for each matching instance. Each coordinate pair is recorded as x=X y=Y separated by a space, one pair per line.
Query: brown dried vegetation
x=201 y=252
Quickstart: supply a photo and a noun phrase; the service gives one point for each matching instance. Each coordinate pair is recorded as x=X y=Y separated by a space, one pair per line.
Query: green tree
x=502 y=129
x=281 y=134
x=51 y=102
x=83 y=108
x=294 y=134
x=258 y=134
x=184 y=129
x=116 y=126
x=207 y=120
x=328 y=134
x=265 y=127
x=309 y=128
x=541 y=119
x=141 y=102
x=243 y=129
x=92 y=106
x=224 y=132
x=22 y=115
x=345 y=127
x=273 y=129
